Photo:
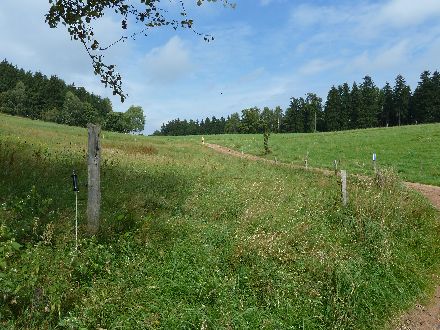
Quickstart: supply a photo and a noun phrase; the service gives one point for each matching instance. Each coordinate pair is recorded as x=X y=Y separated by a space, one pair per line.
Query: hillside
x=412 y=151
x=195 y=239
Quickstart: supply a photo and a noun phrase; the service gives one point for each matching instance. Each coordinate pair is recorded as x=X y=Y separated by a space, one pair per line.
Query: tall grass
x=412 y=151
x=194 y=239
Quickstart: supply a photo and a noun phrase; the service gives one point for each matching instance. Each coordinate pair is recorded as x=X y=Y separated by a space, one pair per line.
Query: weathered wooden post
x=94 y=180
x=344 y=187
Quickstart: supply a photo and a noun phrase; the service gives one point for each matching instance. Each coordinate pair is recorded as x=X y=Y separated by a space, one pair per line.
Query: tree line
x=361 y=105
x=34 y=95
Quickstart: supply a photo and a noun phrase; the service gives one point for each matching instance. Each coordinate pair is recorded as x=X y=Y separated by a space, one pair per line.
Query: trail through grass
x=195 y=239
x=412 y=151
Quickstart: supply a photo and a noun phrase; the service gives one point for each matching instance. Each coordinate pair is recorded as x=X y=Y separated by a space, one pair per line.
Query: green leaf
x=16 y=246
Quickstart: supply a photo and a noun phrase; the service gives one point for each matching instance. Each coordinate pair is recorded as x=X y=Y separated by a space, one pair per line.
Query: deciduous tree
x=135 y=118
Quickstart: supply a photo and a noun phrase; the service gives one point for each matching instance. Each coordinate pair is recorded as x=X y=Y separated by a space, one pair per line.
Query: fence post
x=94 y=180
x=374 y=163
x=344 y=187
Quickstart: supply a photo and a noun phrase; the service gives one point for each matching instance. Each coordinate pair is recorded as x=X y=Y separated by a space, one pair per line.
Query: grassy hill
x=412 y=151
x=193 y=239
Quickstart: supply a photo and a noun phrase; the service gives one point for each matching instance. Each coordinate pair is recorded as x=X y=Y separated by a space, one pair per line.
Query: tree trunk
x=94 y=181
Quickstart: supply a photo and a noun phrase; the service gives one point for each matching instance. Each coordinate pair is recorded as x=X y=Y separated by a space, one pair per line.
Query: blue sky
x=264 y=52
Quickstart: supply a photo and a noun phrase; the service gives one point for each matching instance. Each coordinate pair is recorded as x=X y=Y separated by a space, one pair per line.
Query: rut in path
x=421 y=317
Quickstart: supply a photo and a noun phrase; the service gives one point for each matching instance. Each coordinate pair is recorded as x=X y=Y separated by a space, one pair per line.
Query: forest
x=35 y=96
x=361 y=105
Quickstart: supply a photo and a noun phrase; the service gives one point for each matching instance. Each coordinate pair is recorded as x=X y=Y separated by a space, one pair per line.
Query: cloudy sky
x=264 y=52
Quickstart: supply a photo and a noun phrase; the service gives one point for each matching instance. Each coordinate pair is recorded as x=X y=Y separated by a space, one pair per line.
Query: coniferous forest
x=361 y=105
x=34 y=95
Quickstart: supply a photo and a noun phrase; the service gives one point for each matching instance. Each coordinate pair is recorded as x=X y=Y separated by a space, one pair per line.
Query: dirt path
x=421 y=317
x=430 y=192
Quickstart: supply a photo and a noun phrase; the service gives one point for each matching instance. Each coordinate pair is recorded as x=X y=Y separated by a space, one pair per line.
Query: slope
x=194 y=239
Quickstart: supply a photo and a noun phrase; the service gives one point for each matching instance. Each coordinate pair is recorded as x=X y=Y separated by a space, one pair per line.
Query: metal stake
x=75 y=189
x=76 y=221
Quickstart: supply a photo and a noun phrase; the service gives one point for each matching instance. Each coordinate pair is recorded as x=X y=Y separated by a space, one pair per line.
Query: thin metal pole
x=76 y=220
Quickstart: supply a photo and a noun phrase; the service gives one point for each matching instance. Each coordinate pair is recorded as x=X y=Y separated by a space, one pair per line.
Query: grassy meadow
x=193 y=239
x=412 y=151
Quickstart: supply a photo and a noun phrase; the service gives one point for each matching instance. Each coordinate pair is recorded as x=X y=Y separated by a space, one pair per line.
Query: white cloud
x=258 y=58
x=25 y=46
x=168 y=63
x=318 y=66
x=385 y=58
x=367 y=19
x=403 y=13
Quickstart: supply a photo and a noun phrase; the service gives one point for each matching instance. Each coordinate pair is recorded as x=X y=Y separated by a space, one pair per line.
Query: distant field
x=193 y=239
x=412 y=151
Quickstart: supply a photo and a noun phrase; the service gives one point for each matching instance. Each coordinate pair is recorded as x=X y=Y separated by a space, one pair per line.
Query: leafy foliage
x=79 y=16
x=35 y=96
x=266 y=136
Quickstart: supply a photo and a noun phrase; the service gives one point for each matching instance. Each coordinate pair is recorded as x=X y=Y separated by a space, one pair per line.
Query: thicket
x=362 y=105
x=35 y=96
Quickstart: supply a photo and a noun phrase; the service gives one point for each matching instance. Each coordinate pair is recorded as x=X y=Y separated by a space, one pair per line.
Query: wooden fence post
x=344 y=187
x=94 y=180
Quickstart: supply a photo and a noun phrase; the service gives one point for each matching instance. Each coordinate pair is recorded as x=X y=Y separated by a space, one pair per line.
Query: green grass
x=192 y=239
x=412 y=151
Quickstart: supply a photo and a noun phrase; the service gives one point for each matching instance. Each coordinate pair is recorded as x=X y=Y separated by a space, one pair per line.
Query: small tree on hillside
x=135 y=118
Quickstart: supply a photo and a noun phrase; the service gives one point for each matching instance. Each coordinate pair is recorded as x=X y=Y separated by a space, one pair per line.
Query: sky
x=264 y=52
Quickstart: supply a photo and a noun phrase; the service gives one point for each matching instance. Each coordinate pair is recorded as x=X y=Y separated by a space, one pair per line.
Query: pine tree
x=356 y=106
x=387 y=113
x=370 y=107
x=423 y=108
x=436 y=95
x=345 y=109
x=332 y=110
x=401 y=98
